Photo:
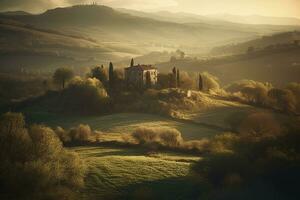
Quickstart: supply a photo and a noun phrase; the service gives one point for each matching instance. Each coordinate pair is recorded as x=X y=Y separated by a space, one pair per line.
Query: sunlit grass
x=115 y=172
x=124 y=123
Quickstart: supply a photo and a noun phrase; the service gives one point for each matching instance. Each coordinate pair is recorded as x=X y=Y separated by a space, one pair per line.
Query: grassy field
x=123 y=123
x=218 y=115
x=115 y=173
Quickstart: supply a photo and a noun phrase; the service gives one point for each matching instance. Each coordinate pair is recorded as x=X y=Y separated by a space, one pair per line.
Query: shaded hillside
x=24 y=45
x=264 y=42
x=106 y=24
x=278 y=66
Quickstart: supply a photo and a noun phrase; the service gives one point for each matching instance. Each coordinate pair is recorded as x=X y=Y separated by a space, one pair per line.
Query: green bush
x=84 y=97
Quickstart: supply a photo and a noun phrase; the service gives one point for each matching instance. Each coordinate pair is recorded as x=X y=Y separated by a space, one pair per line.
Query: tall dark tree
x=111 y=75
x=132 y=63
x=178 y=78
x=200 y=82
x=62 y=75
x=174 y=77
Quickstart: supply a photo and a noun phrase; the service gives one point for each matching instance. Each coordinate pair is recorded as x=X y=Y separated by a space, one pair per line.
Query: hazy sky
x=290 y=8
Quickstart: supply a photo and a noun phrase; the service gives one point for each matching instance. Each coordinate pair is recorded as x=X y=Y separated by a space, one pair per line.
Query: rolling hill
x=87 y=35
x=257 y=19
x=27 y=46
x=277 y=66
x=263 y=26
x=266 y=41
x=145 y=32
x=107 y=24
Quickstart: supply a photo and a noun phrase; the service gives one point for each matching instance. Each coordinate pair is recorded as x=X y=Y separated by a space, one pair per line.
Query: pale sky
x=286 y=8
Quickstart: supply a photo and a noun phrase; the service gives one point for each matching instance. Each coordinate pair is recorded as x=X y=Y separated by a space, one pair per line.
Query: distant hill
x=14 y=13
x=257 y=19
x=277 y=66
x=145 y=33
x=189 y=18
x=24 y=45
x=266 y=41
x=87 y=35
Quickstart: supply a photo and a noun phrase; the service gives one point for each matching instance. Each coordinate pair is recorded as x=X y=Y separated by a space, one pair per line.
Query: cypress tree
x=132 y=63
x=178 y=78
x=174 y=77
x=111 y=75
x=200 y=82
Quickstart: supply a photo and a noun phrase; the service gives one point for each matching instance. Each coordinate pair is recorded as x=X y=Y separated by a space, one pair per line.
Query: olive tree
x=62 y=75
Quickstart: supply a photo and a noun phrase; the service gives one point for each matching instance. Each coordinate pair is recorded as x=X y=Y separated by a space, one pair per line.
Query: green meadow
x=121 y=173
x=124 y=123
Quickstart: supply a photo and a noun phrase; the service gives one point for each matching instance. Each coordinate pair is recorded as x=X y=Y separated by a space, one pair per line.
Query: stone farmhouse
x=141 y=75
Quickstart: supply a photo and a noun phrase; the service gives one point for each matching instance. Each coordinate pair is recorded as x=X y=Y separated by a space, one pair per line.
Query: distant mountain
x=15 y=13
x=257 y=19
x=260 y=43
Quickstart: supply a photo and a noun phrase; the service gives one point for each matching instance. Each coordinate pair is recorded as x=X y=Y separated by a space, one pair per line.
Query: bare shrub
x=62 y=134
x=82 y=133
x=251 y=91
x=196 y=145
x=240 y=85
x=170 y=137
x=163 y=136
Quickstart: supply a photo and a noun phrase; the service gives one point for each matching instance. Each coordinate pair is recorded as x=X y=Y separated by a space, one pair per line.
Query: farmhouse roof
x=141 y=67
